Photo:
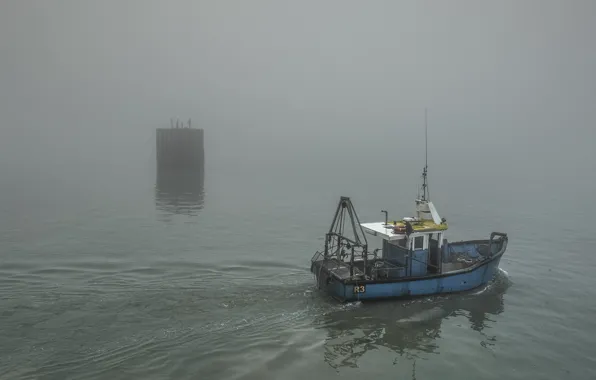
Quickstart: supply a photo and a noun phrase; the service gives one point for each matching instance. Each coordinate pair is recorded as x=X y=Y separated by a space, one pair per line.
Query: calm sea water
x=104 y=275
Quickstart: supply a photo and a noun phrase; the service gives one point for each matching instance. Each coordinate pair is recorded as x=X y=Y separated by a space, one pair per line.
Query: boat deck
x=340 y=269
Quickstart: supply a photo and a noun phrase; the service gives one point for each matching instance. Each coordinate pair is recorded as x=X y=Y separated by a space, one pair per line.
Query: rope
x=319 y=277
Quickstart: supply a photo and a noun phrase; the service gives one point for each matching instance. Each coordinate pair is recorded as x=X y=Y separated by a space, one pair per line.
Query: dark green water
x=103 y=276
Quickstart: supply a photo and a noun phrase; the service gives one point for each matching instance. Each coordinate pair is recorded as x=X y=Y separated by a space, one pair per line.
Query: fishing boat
x=416 y=259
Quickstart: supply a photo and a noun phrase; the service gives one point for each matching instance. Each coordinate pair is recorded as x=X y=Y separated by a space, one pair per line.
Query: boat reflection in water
x=409 y=328
x=180 y=192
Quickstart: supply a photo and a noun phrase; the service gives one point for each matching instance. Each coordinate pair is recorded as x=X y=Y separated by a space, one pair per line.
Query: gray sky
x=87 y=82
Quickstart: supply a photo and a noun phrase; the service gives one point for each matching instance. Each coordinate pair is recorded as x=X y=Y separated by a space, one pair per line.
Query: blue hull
x=459 y=281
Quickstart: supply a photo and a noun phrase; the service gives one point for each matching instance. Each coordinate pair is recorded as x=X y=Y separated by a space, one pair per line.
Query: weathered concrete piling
x=180 y=147
x=180 y=169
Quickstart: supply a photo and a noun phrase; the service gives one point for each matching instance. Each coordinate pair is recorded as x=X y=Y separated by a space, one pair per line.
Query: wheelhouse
x=411 y=246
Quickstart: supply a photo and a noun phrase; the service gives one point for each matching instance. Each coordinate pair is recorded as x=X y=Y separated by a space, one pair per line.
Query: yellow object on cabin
x=420 y=226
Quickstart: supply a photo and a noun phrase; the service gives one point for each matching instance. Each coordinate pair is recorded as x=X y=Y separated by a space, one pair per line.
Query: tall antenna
x=425 y=190
x=426 y=136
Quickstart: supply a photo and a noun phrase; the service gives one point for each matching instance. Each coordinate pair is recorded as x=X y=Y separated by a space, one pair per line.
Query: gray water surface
x=211 y=281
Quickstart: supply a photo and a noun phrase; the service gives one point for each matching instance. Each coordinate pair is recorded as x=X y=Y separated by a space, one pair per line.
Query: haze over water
x=107 y=274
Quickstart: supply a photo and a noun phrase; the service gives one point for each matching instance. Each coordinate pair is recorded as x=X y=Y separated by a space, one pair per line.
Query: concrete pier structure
x=180 y=169
x=180 y=148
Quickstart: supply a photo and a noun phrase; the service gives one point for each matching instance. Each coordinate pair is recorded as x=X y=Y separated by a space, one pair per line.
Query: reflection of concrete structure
x=406 y=327
x=180 y=191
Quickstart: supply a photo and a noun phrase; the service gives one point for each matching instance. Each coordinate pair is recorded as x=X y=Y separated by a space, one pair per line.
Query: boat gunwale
x=471 y=268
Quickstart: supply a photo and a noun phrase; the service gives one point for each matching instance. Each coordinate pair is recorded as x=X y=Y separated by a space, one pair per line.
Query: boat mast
x=425 y=190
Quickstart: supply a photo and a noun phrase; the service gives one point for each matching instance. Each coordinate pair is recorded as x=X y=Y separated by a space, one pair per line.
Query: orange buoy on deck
x=399 y=229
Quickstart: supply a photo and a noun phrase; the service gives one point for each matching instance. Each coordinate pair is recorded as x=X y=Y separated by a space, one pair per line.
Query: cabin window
x=434 y=240
x=402 y=243
x=419 y=242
